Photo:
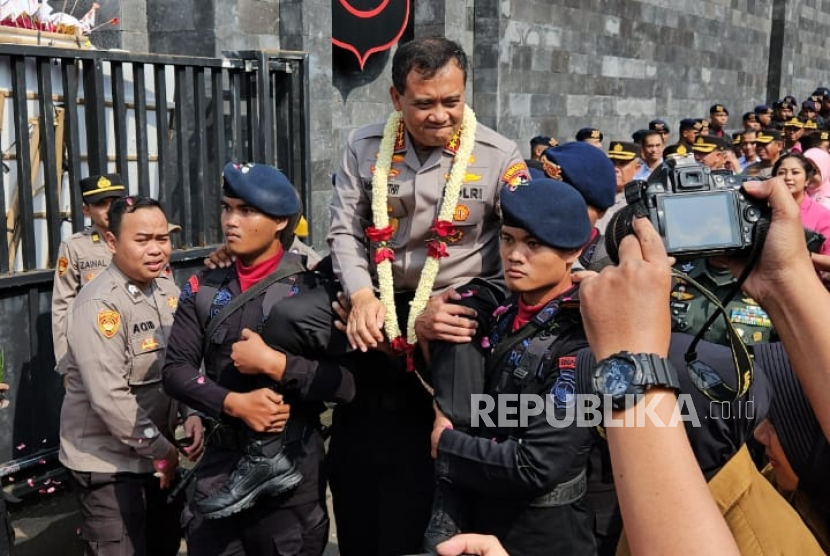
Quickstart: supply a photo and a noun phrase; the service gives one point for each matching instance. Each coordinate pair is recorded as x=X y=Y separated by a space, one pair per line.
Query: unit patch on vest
x=108 y=323
x=63 y=266
x=563 y=390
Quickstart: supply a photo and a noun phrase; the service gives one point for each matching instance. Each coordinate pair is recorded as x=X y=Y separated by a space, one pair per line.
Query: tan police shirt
x=415 y=191
x=115 y=414
x=80 y=258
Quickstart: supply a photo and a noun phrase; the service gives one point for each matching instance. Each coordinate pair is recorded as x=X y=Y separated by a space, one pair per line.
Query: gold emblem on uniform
x=149 y=343
x=173 y=302
x=617 y=148
x=398 y=158
x=682 y=295
x=104 y=183
x=594 y=134
x=393 y=172
x=108 y=323
x=472 y=158
x=681 y=149
x=462 y=213
x=89 y=276
x=393 y=222
x=63 y=266
x=757 y=337
x=470 y=177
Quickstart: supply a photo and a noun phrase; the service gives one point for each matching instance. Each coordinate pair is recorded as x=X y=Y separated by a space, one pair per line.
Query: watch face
x=615 y=377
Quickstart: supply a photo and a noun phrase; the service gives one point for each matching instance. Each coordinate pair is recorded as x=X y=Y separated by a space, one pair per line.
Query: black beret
x=542 y=140
x=690 y=123
x=659 y=125
x=588 y=133
x=791 y=99
x=551 y=211
x=639 y=135
x=763 y=109
x=263 y=187
x=95 y=189
x=716 y=108
x=750 y=117
x=587 y=169
x=808 y=105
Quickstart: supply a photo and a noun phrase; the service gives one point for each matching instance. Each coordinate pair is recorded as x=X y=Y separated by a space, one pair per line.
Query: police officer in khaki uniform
x=116 y=422
x=382 y=490
x=690 y=309
x=84 y=254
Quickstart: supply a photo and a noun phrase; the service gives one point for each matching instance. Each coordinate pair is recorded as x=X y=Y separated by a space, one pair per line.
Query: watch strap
x=657 y=371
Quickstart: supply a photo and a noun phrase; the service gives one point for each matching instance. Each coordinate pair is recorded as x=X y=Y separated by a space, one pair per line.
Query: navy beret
x=659 y=125
x=639 y=135
x=551 y=211
x=690 y=123
x=587 y=169
x=541 y=140
x=588 y=133
x=763 y=109
x=263 y=187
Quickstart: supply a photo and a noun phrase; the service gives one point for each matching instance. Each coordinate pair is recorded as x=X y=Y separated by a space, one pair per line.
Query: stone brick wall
x=539 y=66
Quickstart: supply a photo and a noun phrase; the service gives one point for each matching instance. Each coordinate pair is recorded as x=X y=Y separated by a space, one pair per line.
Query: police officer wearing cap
x=117 y=424
x=769 y=144
x=256 y=492
x=83 y=255
x=719 y=117
x=764 y=114
x=662 y=127
x=625 y=157
x=526 y=484
x=689 y=130
x=713 y=152
x=590 y=135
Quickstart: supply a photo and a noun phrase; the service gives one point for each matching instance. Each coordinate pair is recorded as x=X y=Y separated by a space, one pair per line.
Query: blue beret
x=541 y=140
x=659 y=125
x=263 y=187
x=552 y=211
x=587 y=169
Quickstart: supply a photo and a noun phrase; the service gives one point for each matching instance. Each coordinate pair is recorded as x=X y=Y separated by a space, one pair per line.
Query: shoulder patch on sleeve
x=567 y=362
x=108 y=323
x=517 y=174
x=193 y=282
x=190 y=288
x=63 y=265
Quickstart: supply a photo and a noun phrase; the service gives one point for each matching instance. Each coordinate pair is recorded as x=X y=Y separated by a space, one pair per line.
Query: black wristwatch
x=625 y=377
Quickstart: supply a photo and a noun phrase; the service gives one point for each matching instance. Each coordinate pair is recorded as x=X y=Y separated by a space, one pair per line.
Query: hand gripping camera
x=697 y=212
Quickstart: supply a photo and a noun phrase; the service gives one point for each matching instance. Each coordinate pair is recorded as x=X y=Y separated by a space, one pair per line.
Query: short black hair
x=426 y=56
x=126 y=205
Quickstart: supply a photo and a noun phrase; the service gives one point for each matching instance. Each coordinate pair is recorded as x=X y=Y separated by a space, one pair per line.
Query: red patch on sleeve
x=194 y=283
x=567 y=362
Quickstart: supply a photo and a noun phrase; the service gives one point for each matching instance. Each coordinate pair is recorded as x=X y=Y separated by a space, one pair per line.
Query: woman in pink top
x=797 y=171
x=819 y=187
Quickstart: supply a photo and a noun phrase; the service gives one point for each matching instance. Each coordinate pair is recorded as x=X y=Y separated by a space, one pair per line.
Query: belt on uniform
x=564 y=493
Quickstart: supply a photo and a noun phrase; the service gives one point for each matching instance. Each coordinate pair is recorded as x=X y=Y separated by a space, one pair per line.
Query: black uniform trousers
x=126 y=513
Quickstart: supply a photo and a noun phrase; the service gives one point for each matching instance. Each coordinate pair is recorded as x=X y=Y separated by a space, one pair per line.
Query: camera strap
x=704 y=377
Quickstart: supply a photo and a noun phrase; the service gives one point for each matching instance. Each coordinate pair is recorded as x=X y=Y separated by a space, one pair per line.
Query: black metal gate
x=167 y=124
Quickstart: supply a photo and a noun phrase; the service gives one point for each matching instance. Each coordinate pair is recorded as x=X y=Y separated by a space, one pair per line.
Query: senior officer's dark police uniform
x=382 y=491
x=294 y=523
x=525 y=484
x=115 y=417
x=81 y=257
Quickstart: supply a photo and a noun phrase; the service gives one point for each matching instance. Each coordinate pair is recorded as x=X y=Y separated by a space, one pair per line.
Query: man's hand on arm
x=220 y=258
x=262 y=410
x=445 y=321
x=364 y=328
x=252 y=356
x=194 y=430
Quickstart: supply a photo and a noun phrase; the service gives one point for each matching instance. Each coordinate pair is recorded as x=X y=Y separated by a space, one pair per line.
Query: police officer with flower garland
x=382 y=490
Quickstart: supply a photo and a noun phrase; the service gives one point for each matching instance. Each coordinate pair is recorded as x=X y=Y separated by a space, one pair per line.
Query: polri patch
x=108 y=323
x=63 y=266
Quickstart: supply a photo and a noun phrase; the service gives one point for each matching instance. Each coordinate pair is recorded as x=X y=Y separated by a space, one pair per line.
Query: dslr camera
x=697 y=212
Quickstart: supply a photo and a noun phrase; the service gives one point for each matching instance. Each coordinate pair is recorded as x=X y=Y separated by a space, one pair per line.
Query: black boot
x=448 y=515
x=264 y=469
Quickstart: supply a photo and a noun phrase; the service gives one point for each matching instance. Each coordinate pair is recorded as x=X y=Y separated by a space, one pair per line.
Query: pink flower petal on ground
x=30 y=482
x=42 y=491
x=200 y=380
x=47 y=481
x=50 y=490
x=21 y=446
x=41 y=461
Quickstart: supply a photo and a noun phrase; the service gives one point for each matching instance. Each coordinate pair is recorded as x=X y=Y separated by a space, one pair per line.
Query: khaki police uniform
x=116 y=417
x=382 y=490
x=690 y=309
x=414 y=191
x=80 y=258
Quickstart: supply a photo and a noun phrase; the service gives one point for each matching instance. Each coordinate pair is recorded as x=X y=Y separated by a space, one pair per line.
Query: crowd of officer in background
x=456 y=268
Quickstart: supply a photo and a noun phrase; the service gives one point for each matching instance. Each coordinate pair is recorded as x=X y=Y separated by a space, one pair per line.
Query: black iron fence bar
x=251 y=116
x=219 y=151
x=180 y=207
x=162 y=135
x=49 y=155
x=123 y=57
x=94 y=112
x=21 y=219
x=69 y=77
x=202 y=207
x=237 y=140
x=119 y=119
x=303 y=110
x=265 y=118
x=141 y=138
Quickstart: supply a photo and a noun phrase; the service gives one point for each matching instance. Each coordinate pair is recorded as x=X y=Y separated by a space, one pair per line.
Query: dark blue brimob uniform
x=526 y=484
x=295 y=523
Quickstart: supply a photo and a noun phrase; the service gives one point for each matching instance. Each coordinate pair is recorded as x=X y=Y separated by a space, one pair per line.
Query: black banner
x=364 y=27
